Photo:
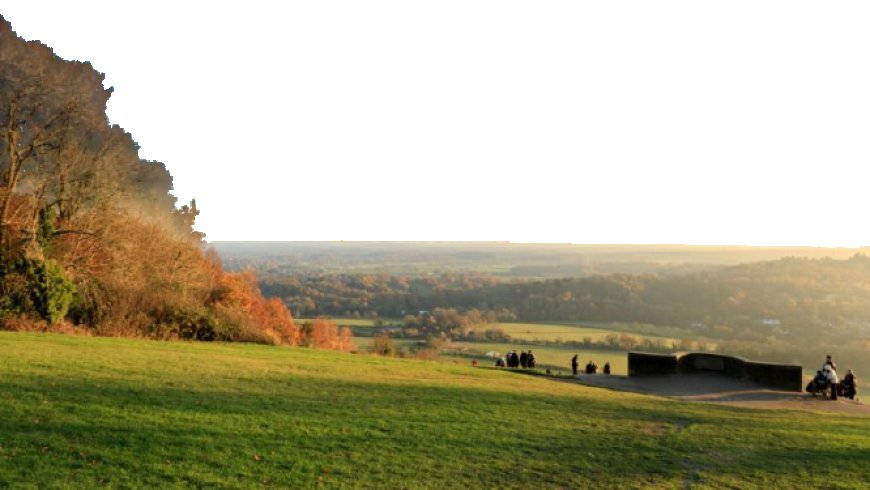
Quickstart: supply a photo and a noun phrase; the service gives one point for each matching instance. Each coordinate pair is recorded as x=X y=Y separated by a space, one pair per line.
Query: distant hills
x=503 y=258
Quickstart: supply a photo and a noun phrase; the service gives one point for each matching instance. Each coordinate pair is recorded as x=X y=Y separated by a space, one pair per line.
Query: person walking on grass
x=575 y=363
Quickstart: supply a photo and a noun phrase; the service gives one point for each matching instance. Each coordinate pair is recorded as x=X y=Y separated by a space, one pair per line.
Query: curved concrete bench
x=780 y=376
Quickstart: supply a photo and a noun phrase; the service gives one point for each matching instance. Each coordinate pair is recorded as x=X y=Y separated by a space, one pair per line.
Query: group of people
x=524 y=360
x=591 y=366
x=826 y=379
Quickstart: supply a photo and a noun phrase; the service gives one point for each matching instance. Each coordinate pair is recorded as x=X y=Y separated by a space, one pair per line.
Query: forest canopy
x=90 y=233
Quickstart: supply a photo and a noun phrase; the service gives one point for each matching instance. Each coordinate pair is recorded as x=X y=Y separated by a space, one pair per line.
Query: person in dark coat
x=850 y=384
x=515 y=360
x=524 y=359
x=606 y=368
x=575 y=363
x=531 y=360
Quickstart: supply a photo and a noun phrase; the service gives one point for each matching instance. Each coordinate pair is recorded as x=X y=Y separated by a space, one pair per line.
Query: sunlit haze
x=740 y=122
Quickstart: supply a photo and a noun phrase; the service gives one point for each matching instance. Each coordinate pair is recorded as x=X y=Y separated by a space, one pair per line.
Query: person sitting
x=500 y=362
x=850 y=385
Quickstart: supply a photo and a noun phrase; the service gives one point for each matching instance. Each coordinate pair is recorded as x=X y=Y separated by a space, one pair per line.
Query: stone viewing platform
x=788 y=377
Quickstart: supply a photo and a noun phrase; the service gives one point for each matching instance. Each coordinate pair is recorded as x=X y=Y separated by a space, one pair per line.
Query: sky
x=696 y=122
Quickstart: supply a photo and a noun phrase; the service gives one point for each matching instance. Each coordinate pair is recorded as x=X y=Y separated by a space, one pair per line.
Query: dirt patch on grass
x=717 y=388
x=655 y=429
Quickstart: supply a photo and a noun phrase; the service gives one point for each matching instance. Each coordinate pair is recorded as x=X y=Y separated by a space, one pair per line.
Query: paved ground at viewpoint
x=717 y=388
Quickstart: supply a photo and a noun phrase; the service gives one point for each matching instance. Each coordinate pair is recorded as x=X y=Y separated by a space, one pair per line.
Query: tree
x=46 y=106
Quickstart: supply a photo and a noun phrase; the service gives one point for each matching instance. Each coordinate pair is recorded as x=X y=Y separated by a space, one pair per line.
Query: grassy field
x=567 y=333
x=87 y=412
x=354 y=322
x=528 y=335
x=556 y=358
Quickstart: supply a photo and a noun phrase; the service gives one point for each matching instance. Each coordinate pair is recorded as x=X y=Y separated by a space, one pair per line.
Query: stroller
x=823 y=384
x=819 y=385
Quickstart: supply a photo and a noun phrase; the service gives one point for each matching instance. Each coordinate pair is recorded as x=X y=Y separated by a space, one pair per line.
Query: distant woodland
x=91 y=238
x=791 y=309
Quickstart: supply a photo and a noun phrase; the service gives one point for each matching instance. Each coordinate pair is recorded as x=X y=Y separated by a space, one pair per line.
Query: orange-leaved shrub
x=236 y=299
x=324 y=333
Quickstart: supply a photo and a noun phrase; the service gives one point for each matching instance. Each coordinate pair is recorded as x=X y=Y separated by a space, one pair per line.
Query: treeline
x=449 y=323
x=772 y=297
x=91 y=237
x=386 y=295
x=787 y=310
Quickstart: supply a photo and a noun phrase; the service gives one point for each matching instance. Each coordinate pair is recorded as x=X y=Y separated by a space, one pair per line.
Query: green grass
x=554 y=357
x=344 y=322
x=557 y=358
x=84 y=413
x=567 y=333
x=527 y=336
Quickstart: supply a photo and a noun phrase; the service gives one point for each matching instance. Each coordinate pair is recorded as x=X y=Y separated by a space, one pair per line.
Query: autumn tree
x=90 y=233
x=47 y=107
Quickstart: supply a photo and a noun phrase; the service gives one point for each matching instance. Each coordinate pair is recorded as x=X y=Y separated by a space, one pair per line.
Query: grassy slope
x=568 y=333
x=79 y=412
x=527 y=335
x=555 y=357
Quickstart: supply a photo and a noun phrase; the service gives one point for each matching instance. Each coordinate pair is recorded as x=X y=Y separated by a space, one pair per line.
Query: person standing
x=524 y=359
x=607 y=367
x=531 y=360
x=829 y=362
x=851 y=385
x=575 y=363
x=830 y=370
x=831 y=374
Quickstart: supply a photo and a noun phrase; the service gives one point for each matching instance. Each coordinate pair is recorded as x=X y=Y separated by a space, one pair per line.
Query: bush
x=39 y=287
x=383 y=345
x=187 y=325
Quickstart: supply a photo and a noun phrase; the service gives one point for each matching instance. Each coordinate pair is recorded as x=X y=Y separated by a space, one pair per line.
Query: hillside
x=89 y=412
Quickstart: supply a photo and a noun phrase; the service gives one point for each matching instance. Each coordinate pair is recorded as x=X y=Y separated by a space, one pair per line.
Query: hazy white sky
x=738 y=122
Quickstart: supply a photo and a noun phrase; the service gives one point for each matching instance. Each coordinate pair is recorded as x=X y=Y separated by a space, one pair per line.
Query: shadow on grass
x=302 y=431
